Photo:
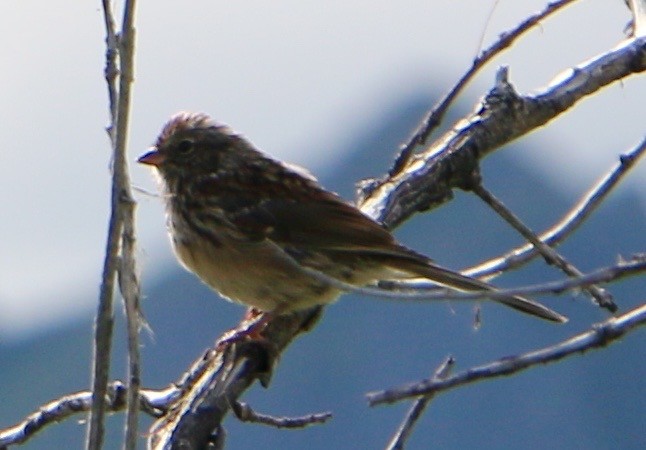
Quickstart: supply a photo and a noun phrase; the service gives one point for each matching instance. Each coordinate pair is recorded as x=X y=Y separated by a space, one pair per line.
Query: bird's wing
x=337 y=226
x=320 y=220
x=326 y=222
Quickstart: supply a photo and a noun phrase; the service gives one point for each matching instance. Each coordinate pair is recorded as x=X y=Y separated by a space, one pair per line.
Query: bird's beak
x=152 y=158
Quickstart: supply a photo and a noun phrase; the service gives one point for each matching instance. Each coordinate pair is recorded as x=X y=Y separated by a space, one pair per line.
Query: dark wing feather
x=327 y=223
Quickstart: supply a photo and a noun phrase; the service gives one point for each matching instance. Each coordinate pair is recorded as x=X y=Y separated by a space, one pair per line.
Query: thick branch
x=502 y=116
x=216 y=381
x=434 y=117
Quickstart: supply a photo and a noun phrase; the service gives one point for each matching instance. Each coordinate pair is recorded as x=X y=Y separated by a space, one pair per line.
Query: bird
x=257 y=230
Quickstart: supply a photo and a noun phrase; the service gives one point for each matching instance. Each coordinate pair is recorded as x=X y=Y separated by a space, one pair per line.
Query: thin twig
x=420 y=291
x=245 y=413
x=434 y=117
x=130 y=290
x=130 y=285
x=554 y=235
x=552 y=257
x=569 y=222
x=111 y=71
x=598 y=336
x=415 y=412
x=104 y=318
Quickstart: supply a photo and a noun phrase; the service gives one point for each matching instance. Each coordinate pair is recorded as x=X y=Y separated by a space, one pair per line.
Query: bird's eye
x=184 y=147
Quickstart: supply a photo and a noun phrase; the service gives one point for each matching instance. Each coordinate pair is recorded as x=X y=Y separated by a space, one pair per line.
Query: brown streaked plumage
x=247 y=224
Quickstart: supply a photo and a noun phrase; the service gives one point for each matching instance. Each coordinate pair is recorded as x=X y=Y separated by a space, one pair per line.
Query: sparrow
x=257 y=230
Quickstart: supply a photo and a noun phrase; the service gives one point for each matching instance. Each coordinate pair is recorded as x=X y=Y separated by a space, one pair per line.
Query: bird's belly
x=257 y=274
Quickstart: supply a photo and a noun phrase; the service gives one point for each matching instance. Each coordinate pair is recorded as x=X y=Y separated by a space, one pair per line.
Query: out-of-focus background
x=334 y=86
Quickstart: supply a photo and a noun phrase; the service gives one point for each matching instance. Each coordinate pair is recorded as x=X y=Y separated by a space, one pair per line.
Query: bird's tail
x=451 y=279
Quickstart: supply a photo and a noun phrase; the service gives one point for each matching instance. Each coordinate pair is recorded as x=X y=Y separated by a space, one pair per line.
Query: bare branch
x=104 y=317
x=129 y=282
x=153 y=402
x=415 y=412
x=552 y=257
x=434 y=117
x=502 y=116
x=597 y=337
x=217 y=379
x=569 y=222
x=245 y=413
x=111 y=71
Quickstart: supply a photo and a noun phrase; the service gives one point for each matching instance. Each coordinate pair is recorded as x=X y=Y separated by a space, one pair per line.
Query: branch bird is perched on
x=247 y=225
